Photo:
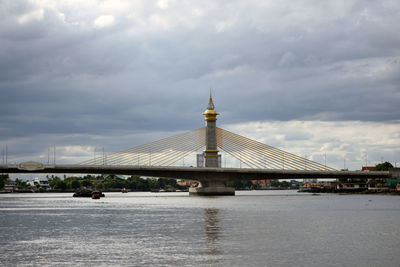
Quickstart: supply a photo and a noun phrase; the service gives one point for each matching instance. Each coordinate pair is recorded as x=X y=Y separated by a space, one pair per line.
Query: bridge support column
x=211 y=188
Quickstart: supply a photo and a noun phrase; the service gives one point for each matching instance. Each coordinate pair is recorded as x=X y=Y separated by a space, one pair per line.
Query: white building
x=42 y=182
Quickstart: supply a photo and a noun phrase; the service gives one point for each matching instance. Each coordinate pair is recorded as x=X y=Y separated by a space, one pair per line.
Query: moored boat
x=87 y=193
x=96 y=195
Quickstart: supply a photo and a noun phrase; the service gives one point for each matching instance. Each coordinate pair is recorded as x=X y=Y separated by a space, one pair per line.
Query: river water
x=253 y=228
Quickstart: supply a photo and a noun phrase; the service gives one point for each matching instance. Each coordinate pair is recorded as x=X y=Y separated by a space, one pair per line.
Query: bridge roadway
x=203 y=174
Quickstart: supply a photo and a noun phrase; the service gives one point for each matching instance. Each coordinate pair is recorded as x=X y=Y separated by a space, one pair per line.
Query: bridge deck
x=223 y=174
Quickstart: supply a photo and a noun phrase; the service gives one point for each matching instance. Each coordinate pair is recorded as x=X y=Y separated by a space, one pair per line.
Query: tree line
x=247 y=184
x=134 y=183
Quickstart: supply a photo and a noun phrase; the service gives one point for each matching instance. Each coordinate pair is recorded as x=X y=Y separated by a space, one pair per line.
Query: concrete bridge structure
x=207 y=174
x=263 y=161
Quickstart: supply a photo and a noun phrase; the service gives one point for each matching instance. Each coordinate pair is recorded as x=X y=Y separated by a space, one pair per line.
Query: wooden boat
x=96 y=195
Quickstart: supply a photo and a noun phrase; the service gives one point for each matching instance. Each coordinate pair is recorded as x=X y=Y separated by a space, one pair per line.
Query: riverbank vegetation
x=137 y=183
x=113 y=182
x=3 y=179
x=250 y=185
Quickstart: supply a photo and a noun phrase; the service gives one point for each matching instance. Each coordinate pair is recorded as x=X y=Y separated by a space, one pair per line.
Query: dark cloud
x=67 y=72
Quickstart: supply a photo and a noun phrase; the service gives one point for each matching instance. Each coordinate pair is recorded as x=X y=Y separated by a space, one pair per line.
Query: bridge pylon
x=211 y=187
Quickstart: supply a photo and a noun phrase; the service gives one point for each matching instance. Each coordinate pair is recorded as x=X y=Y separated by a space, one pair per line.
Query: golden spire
x=210 y=102
x=210 y=113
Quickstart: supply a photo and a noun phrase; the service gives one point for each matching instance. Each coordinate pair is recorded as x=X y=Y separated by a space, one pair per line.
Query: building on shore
x=41 y=182
x=10 y=186
x=367 y=168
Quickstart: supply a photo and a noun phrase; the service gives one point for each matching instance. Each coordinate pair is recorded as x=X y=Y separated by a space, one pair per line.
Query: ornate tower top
x=210 y=113
x=210 y=103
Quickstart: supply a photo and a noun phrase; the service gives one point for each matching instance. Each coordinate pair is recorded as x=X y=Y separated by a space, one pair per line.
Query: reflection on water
x=212 y=230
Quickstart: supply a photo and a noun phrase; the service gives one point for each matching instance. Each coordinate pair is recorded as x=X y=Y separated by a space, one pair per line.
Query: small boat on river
x=88 y=193
x=96 y=195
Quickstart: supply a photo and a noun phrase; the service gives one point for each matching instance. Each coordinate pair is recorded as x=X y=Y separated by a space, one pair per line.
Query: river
x=253 y=228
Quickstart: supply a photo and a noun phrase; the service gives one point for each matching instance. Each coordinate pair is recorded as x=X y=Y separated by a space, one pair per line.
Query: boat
x=83 y=193
x=87 y=193
x=96 y=195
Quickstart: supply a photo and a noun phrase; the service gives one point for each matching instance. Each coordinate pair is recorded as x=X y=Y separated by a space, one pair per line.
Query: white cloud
x=160 y=20
x=118 y=6
x=222 y=26
x=163 y=4
x=349 y=141
x=31 y=16
x=197 y=12
x=104 y=21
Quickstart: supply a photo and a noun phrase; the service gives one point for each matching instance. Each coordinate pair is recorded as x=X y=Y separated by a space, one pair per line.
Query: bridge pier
x=211 y=188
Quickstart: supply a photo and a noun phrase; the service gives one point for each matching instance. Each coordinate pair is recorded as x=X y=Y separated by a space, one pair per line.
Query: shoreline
x=394 y=193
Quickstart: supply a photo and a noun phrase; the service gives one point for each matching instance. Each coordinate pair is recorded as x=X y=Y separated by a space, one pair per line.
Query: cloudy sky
x=310 y=77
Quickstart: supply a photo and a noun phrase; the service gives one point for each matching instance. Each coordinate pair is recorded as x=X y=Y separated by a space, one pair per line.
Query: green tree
x=153 y=184
x=60 y=184
x=72 y=182
x=249 y=184
x=275 y=183
x=239 y=185
x=97 y=184
x=171 y=183
x=75 y=184
x=21 y=184
x=143 y=184
x=162 y=183
x=256 y=185
x=86 y=182
x=53 y=181
x=383 y=166
x=3 y=179
x=285 y=184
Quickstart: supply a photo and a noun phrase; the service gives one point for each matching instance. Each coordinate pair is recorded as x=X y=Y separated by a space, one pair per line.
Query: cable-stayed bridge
x=157 y=159
x=169 y=151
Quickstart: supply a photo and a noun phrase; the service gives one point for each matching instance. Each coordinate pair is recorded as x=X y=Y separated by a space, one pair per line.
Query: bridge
x=202 y=174
x=157 y=159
